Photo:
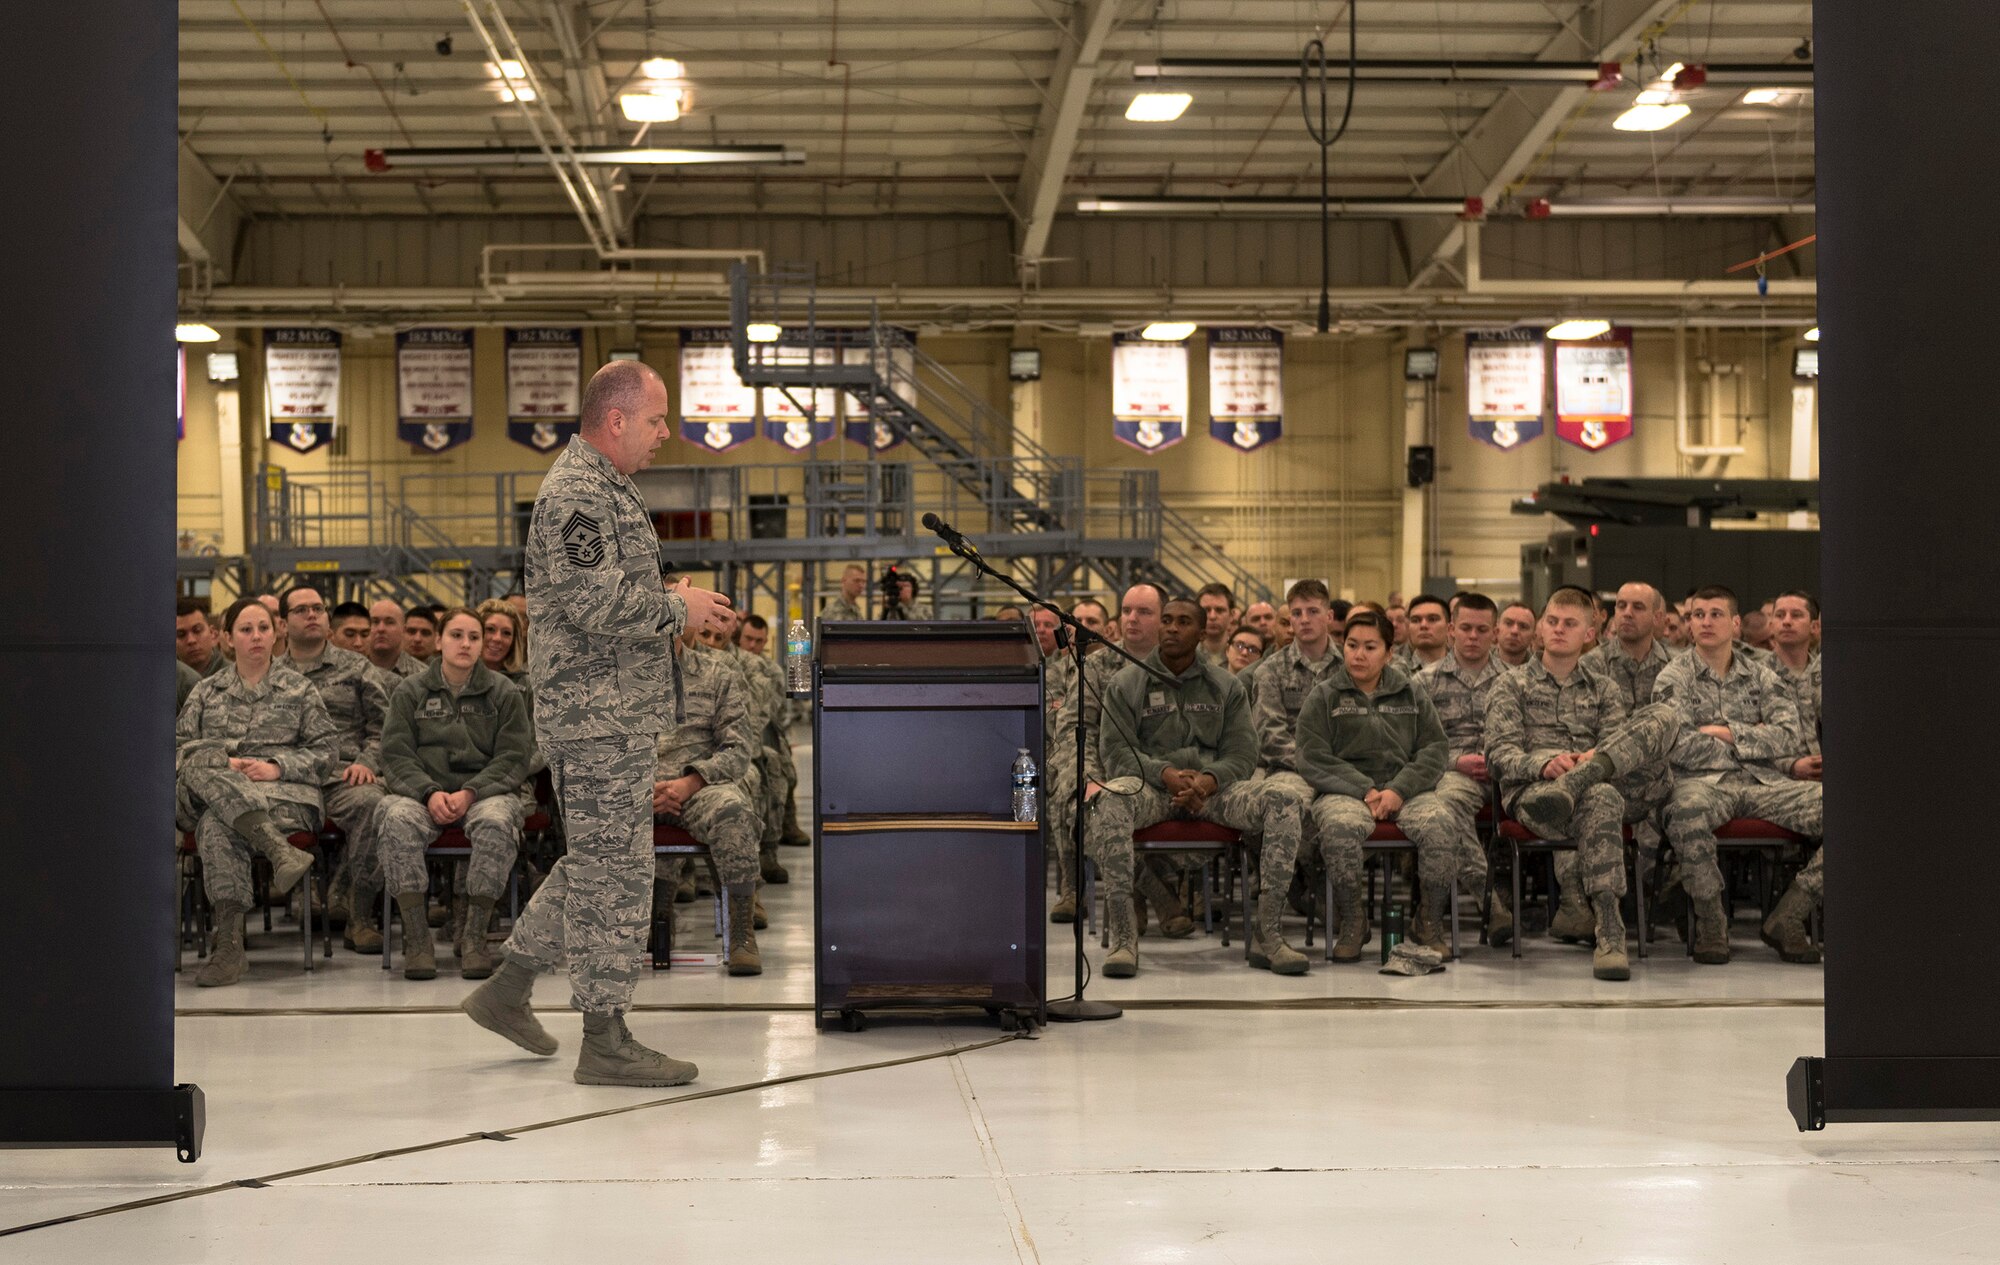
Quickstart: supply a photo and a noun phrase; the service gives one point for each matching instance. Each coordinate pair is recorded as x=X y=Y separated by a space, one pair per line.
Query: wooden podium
x=926 y=891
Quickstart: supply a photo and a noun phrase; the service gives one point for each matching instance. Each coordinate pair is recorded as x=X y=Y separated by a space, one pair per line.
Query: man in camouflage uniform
x=1573 y=763
x=229 y=737
x=1278 y=684
x=1427 y=633
x=1633 y=654
x=764 y=686
x=1059 y=762
x=1738 y=746
x=602 y=666
x=1795 y=632
x=705 y=781
x=1184 y=748
x=385 y=642
x=1459 y=685
x=846 y=604
x=356 y=697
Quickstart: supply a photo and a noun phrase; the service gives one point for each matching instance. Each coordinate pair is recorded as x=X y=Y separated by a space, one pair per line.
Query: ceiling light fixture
x=1762 y=96
x=1577 y=330
x=1650 y=118
x=1812 y=335
x=762 y=332
x=651 y=107
x=1167 y=331
x=1158 y=107
x=662 y=68
x=380 y=160
x=196 y=332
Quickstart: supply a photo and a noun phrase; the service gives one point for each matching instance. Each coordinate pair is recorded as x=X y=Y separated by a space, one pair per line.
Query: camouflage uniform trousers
x=1465 y=798
x=219 y=797
x=403 y=829
x=1345 y=823
x=1060 y=816
x=773 y=791
x=1638 y=750
x=729 y=818
x=591 y=914
x=1127 y=804
x=353 y=809
x=1812 y=879
x=1696 y=808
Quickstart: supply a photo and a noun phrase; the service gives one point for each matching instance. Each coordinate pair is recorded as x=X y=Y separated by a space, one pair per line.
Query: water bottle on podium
x=798 y=651
x=1024 y=787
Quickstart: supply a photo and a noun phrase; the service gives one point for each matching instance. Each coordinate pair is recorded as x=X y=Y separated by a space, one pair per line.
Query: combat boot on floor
x=1545 y=807
x=476 y=959
x=419 y=956
x=1431 y=914
x=1064 y=910
x=1785 y=930
x=758 y=919
x=363 y=933
x=744 y=959
x=1174 y=921
x=1499 y=921
x=1353 y=924
x=225 y=955
x=767 y=860
x=1268 y=950
x=611 y=1057
x=792 y=836
x=1711 y=930
x=288 y=864
x=1573 y=923
x=1122 y=962
x=501 y=1005
x=684 y=893
x=340 y=896
x=1608 y=960
x=457 y=936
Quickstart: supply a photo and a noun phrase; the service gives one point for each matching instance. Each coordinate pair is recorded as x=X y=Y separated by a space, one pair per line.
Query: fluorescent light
x=1572 y=331
x=1158 y=107
x=380 y=160
x=509 y=69
x=1650 y=118
x=522 y=93
x=1812 y=335
x=651 y=107
x=1667 y=75
x=196 y=332
x=1762 y=96
x=1652 y=96
x=1167 y=331
x=662 y=68
x=762 y=332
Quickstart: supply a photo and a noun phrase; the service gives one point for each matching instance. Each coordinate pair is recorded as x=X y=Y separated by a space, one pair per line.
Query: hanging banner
x=1504 y=386
x=301 y=386
x=717 y=411
x=897 y=373
x=1246 y=386
x=544 y=385
x=181 y=396
x=786 y=420
x=434 y=387
x=1594 y=390
x=1149 y=392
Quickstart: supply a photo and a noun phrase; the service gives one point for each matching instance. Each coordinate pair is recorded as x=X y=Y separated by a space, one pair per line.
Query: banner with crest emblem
x=544 y=385
x=434 y=388
x=1149 y=392
x=786 y=419
x=717 y=411
x=301 y=386
x=1594 y=390
x=1505 y=384
x=1246 y=386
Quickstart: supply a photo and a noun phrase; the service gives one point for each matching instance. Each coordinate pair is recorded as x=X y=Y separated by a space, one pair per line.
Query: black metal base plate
x=173 y=1117
x=1076 y=1011
x=1892 y=1090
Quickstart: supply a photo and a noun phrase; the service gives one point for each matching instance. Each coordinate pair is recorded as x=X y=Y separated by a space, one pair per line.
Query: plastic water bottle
x=798 y=658
x=1024 y=786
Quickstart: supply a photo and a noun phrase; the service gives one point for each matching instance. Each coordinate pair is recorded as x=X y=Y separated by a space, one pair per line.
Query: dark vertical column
x=1909 y=179
x=86 y=749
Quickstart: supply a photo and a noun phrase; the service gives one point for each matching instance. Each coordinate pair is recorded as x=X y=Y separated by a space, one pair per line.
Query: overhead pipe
x=1459 y=208
x=1682 y=444
x=1600 y=76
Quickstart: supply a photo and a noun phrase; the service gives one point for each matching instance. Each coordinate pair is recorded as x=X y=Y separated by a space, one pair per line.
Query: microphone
x=947 y=533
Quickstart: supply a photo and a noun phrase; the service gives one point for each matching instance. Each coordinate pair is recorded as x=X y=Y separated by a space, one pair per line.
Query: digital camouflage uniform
x=716 y=738
x=1459 y=693
x=839 y=608
x=1804 y=685
x=764 y=699
x=478 y=738
x=1351 y=743
x=1201 y=721
x=185 y=679
x=280 y=719
x=1714 y=780
x=1531 y=717
x=356 y=696
x=1064 y=783
x=1059 y=761
x=1278 y=685
x=1634 y=677
x=603 y=672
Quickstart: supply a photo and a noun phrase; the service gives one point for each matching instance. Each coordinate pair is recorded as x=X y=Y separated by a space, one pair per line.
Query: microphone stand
x=1077 y=1008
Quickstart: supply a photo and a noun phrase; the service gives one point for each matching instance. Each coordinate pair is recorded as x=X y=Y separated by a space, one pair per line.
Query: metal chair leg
x=388 y=943
x=1514 y=854
x=1328 y=906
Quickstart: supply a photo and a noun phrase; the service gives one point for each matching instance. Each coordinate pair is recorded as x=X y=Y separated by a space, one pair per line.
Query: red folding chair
x=672 y=841
x=1386 y=839
x=1213 y=843
x=1520 y=839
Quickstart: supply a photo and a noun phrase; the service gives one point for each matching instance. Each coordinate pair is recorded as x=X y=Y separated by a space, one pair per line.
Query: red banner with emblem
x=1594 y=390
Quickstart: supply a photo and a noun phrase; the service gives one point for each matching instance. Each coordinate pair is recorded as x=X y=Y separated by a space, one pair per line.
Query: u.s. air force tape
x=583 y=540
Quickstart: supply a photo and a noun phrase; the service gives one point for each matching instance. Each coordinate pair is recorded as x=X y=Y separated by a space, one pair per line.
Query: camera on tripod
x=894 y=604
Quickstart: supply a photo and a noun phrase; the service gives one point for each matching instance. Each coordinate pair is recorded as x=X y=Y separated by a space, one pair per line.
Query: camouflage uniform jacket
x=1201 y=722
x=1531 y=718
x=280 y=719
x=717 y=735
x=1099 y=667
x=1459 y=693
x=1751 y=700
x=1278 y=688
x=1634 y=677
x=1058 y=693
x=601 y=658
x=838 y=607
x=185 y=679
x=478 y=738
x=764 y=695
x=1350 y=743
x=408 y=665
x=356 y=697
x=1804 y=684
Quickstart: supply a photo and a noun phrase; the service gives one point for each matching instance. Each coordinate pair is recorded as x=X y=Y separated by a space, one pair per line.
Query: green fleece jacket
x=1351 y=743
x=480 y=739
x=1200 y=722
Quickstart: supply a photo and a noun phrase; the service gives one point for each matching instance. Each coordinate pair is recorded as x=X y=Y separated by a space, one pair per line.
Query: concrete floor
x=1499 y=1111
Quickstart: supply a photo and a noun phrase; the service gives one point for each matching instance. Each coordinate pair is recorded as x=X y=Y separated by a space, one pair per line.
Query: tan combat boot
x=744 y=959
x=476 y=958
x=225 y=955
x=1607 y=959
x=610 y=1056
x=1174 y=921
x=1268 y=950
x=501 y=1005
x=1353 y=924
x=1785 y=930
x=1122 y=962
x=1499 y=920
x=363 y=933
x=288 y=864
x=419 y=955
x=1711 y=930
x=1573 y=923
x=767 y=861
x=1064 y=910
x=1432 y=913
